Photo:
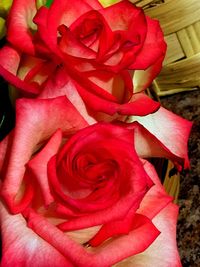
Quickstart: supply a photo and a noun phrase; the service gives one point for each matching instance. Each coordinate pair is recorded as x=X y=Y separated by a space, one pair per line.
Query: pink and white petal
x=119 y=86
x=73 y=251
x=22 y=247
x=40 y=20
x=107 y=215
x=130 y=26
x=28 y=89
x=154 y=46
x=73 y=47
x=35 y=70
x=9 y=64
x=163 y=251
x=148 y=146
x=61 y=84
x=170 y=129
x=20 y=25
x=10 y=58
x=66 y=13
x=107 y=255
x=60 y=12
x=4 y=144
x=141 y=105
x=119 y=227
x=148 y=64
x=143 y=78
x=137 y=241
x=33 y=127
x=38 y=165
x=150 y=206
x=121 y=15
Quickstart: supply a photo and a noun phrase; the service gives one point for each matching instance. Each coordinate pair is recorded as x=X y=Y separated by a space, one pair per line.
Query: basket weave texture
x=180 y=21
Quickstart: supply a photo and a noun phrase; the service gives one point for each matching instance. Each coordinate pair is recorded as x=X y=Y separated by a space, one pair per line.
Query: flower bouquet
x=77 y=186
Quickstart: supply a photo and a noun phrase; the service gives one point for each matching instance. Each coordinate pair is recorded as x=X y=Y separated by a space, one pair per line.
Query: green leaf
x=106 y=3
x=4 y=7
x=2 y=27
x=48 y=3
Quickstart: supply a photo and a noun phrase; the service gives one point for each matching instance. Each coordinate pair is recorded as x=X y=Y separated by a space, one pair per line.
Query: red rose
x=87 y=195
x=94 y=49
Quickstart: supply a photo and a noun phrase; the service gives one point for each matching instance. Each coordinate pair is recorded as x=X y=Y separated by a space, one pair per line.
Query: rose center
x=94 y=173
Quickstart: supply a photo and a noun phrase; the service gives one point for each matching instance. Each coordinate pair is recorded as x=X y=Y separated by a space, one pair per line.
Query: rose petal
x=22 y=247
x=56 y=16
x=33 y=126
x=93 y=38
x=10 y=58
x=125 y=25
x=117 y=228
x=4 y=144
x=148 y=65
x=171 y=130
x=95 y=4
x=155 y=43
x=61 y=84
x=38 y=165
x=140 y=105
x=120 y=86
x=143 y=78
x=121 y=15
x=20 y=25
x=9 y=63
x=150 y=206
x=163 y=251
x=71 y=46
x=148 y=146
x=136 y=241
x=34 y=70
x=61 y=242
x=130 y=200
x=107 y=255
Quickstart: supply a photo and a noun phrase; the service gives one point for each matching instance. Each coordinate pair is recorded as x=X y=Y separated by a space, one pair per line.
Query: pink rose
x=87 y=195
x=93 y=49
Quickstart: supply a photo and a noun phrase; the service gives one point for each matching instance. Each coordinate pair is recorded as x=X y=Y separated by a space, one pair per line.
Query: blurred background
x=187 y=105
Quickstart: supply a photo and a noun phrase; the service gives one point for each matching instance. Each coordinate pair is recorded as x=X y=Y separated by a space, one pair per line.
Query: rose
x=107 y=189
x=88 y=47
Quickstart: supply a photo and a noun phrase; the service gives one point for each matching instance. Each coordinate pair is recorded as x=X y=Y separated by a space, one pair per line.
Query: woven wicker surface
x=180 y=21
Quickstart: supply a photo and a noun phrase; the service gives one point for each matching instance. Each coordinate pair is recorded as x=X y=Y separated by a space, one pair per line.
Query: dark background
x=187 y=105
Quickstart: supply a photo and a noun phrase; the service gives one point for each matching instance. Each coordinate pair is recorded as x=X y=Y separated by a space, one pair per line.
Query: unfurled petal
x=20 y=25
x=140 y=104
x=150 y=206
x=9 y=64
x=3 y=150
x=145 y=232
x=169 y=129
x=38 y=165
x=163 y=251
x=36 y=120
x=62 y=85
x=155 y=43
x=142 y=79
x=22 y=247
x=149 y=64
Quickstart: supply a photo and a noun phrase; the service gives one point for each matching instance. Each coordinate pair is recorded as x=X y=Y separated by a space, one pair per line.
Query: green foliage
x=48 y=3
